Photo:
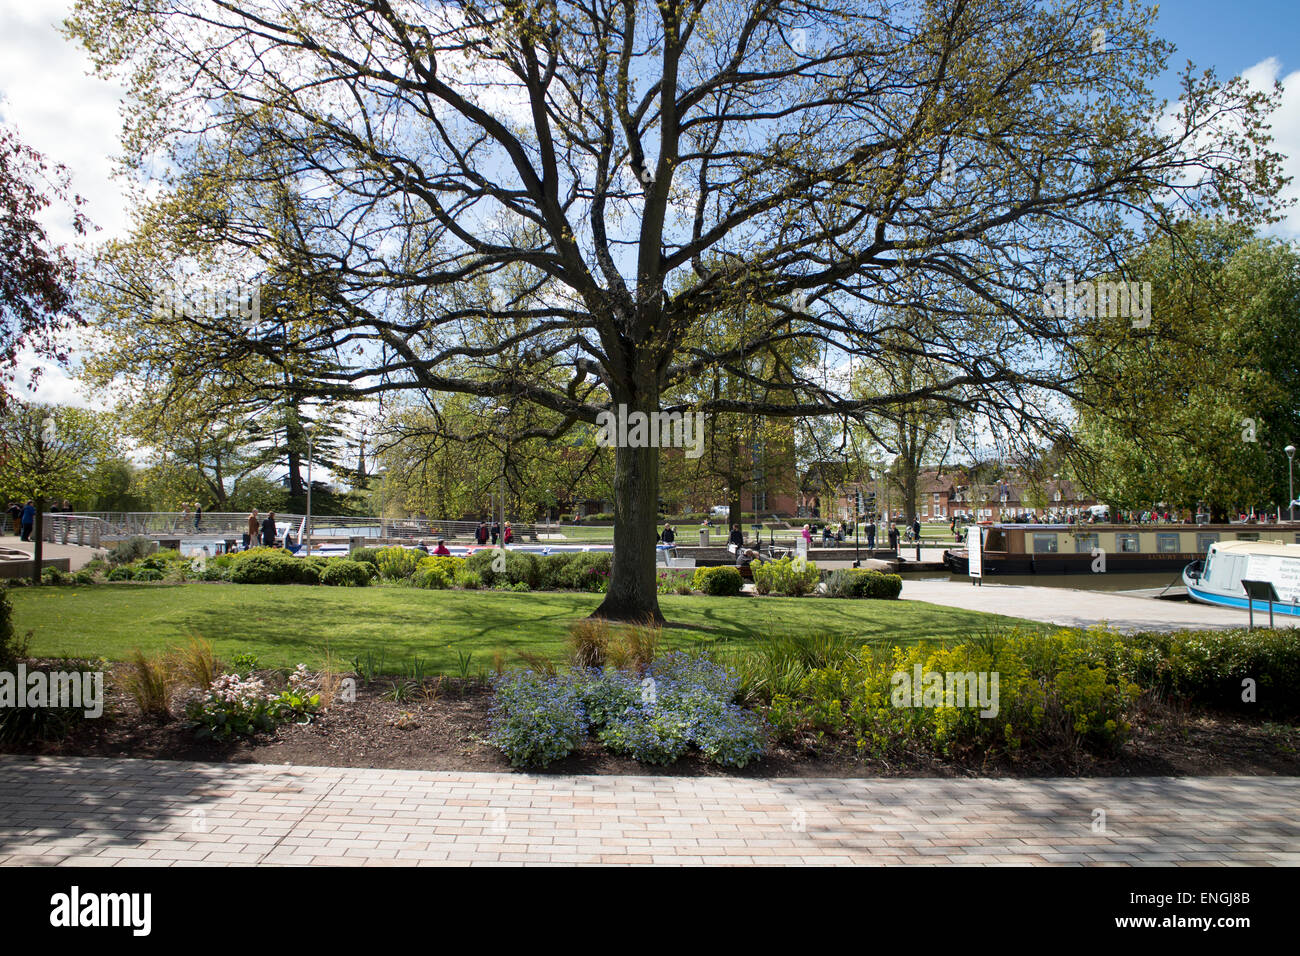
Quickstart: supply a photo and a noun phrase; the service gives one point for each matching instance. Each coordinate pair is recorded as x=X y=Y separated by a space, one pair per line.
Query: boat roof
x=1279 y=548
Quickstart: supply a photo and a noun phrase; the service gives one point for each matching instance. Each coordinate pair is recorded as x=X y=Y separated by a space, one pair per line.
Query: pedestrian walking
x=669 y=536
x=496 y=532
x=806 y=534
x=198 y=516
x=508 y=535
x=28 y=520
x=893 y=536
x=871 y=534
x=481 y=533
x=737 y=537
x=268 y=530
x=251 y=533
x=16 y=516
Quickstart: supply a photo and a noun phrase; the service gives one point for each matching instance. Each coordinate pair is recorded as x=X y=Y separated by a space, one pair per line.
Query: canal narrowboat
x=1083 y=548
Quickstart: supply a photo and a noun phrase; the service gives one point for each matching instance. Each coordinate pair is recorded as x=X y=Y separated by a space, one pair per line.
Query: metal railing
x=94 y=528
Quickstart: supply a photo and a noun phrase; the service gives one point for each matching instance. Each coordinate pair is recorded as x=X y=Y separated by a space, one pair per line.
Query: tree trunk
x=297 y=487
x=909 y=493
x=633 y=595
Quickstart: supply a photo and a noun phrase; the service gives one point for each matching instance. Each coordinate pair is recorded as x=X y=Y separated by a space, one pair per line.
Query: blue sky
x=1232 y=36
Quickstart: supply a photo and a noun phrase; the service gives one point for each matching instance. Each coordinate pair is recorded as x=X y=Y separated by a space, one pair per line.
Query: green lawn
x=284 y=625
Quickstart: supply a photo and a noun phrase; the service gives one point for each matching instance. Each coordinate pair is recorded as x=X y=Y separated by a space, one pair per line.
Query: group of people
x=483 y=533
x=260 y=531
x=23 y=518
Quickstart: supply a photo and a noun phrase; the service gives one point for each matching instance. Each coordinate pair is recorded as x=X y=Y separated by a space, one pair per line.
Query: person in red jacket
x=508 y=535
x=441 y=549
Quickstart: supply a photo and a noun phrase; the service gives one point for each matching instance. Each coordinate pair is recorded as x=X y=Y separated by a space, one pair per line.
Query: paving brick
x=135 y=812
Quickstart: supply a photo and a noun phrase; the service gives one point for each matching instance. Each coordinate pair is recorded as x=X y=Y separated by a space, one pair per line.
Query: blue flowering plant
x=680 y=702
x=536 y=719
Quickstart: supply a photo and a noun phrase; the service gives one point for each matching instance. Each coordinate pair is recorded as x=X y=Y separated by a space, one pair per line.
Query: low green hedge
x=718 y=582
x=1211 y=668
x=861 y=583
x=521 y=568
x=368 y=556
x=275 y=569
x=344 y=573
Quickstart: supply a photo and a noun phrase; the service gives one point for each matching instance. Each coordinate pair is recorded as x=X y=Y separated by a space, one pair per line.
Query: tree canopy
x=504 y=200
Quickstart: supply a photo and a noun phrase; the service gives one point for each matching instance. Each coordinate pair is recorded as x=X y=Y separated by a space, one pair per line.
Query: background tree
x=51 y=451
x=1197 y=408
x=593 y=155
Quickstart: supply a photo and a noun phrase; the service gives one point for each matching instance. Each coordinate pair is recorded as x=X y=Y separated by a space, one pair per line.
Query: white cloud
x=1286 y=132
x=57 y=108
x=55 y=385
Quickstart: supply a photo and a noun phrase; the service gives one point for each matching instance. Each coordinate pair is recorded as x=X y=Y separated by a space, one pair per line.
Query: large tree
x=507 y=196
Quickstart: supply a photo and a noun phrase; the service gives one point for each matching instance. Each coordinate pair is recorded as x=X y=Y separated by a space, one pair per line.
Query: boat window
x=1086 y=543
x=1204 y=539
x=1247 y=535
x=1167 y=543
x=995 y=540
x=1045 y=544
x=1127 y=542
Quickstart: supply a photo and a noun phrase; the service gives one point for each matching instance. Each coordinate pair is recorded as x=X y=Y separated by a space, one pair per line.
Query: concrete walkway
x=77 y=555
x=97 y=812
x=1076 y=608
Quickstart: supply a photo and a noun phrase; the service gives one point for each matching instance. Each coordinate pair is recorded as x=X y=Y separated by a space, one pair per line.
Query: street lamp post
x=1290 y=479
x=307 y=531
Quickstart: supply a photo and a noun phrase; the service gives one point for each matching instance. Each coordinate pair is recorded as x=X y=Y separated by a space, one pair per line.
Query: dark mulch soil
x=443 y=727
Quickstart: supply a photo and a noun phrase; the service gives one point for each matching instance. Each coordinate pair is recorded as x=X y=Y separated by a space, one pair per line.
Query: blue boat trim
x=1224 y=600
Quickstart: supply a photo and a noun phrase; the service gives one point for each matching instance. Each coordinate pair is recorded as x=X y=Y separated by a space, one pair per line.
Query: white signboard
x=974 y=551
x=1283 y=572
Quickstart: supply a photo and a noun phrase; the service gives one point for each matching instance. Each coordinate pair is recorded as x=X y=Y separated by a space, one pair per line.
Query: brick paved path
x=92 y=811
